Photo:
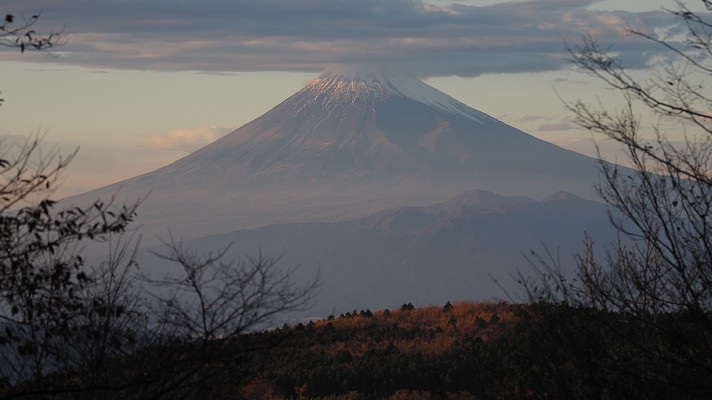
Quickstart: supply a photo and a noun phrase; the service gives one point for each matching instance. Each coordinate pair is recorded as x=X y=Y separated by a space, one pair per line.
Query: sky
x=138 y=84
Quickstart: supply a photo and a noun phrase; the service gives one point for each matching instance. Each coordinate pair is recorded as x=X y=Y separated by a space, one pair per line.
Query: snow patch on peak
x=355 y=81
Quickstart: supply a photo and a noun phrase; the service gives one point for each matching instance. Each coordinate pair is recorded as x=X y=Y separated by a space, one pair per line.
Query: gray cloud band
x=428 y=39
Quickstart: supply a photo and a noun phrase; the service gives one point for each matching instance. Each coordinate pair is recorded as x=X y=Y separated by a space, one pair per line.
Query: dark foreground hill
x=459 y=351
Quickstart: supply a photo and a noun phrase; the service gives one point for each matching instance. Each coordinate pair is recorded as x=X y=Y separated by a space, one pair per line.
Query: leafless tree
x=88 y=331
x=658 y=276
x=665 y=208
x=45 y=287
x=217 y=298
x=211 y=301
x=73 y=330
x=19 y=32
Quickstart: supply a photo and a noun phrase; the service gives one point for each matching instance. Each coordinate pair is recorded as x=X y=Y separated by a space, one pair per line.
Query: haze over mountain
x=448 y=251
x=353 y=141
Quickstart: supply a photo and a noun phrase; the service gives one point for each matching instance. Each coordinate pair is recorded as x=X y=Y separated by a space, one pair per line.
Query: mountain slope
x=349 y=143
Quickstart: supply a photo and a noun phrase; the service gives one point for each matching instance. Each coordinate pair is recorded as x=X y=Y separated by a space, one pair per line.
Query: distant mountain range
x=425 y=255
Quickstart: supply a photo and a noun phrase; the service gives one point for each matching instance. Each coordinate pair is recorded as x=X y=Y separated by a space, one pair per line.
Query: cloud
x=532 y=118
x=184 y=140
x=556 y=127
x=546 y=123
x=428 y=38
x=569 y=81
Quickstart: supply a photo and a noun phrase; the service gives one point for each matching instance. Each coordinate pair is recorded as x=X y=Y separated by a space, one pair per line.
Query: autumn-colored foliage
x=404 y=353
x=428 y=330
x=462 y=351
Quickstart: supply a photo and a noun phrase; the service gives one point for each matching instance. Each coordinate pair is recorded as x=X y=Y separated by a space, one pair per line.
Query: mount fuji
x=352 y=142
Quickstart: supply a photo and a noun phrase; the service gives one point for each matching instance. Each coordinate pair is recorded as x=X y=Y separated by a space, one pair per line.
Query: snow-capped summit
x=353 y=141
x=366 y=81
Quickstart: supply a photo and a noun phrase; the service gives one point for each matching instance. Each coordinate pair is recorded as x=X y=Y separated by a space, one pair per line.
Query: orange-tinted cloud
x=184 y=139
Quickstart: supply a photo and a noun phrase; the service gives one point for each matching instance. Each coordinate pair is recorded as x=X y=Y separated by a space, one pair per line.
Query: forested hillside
x=460 y=351
x=438 y=351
